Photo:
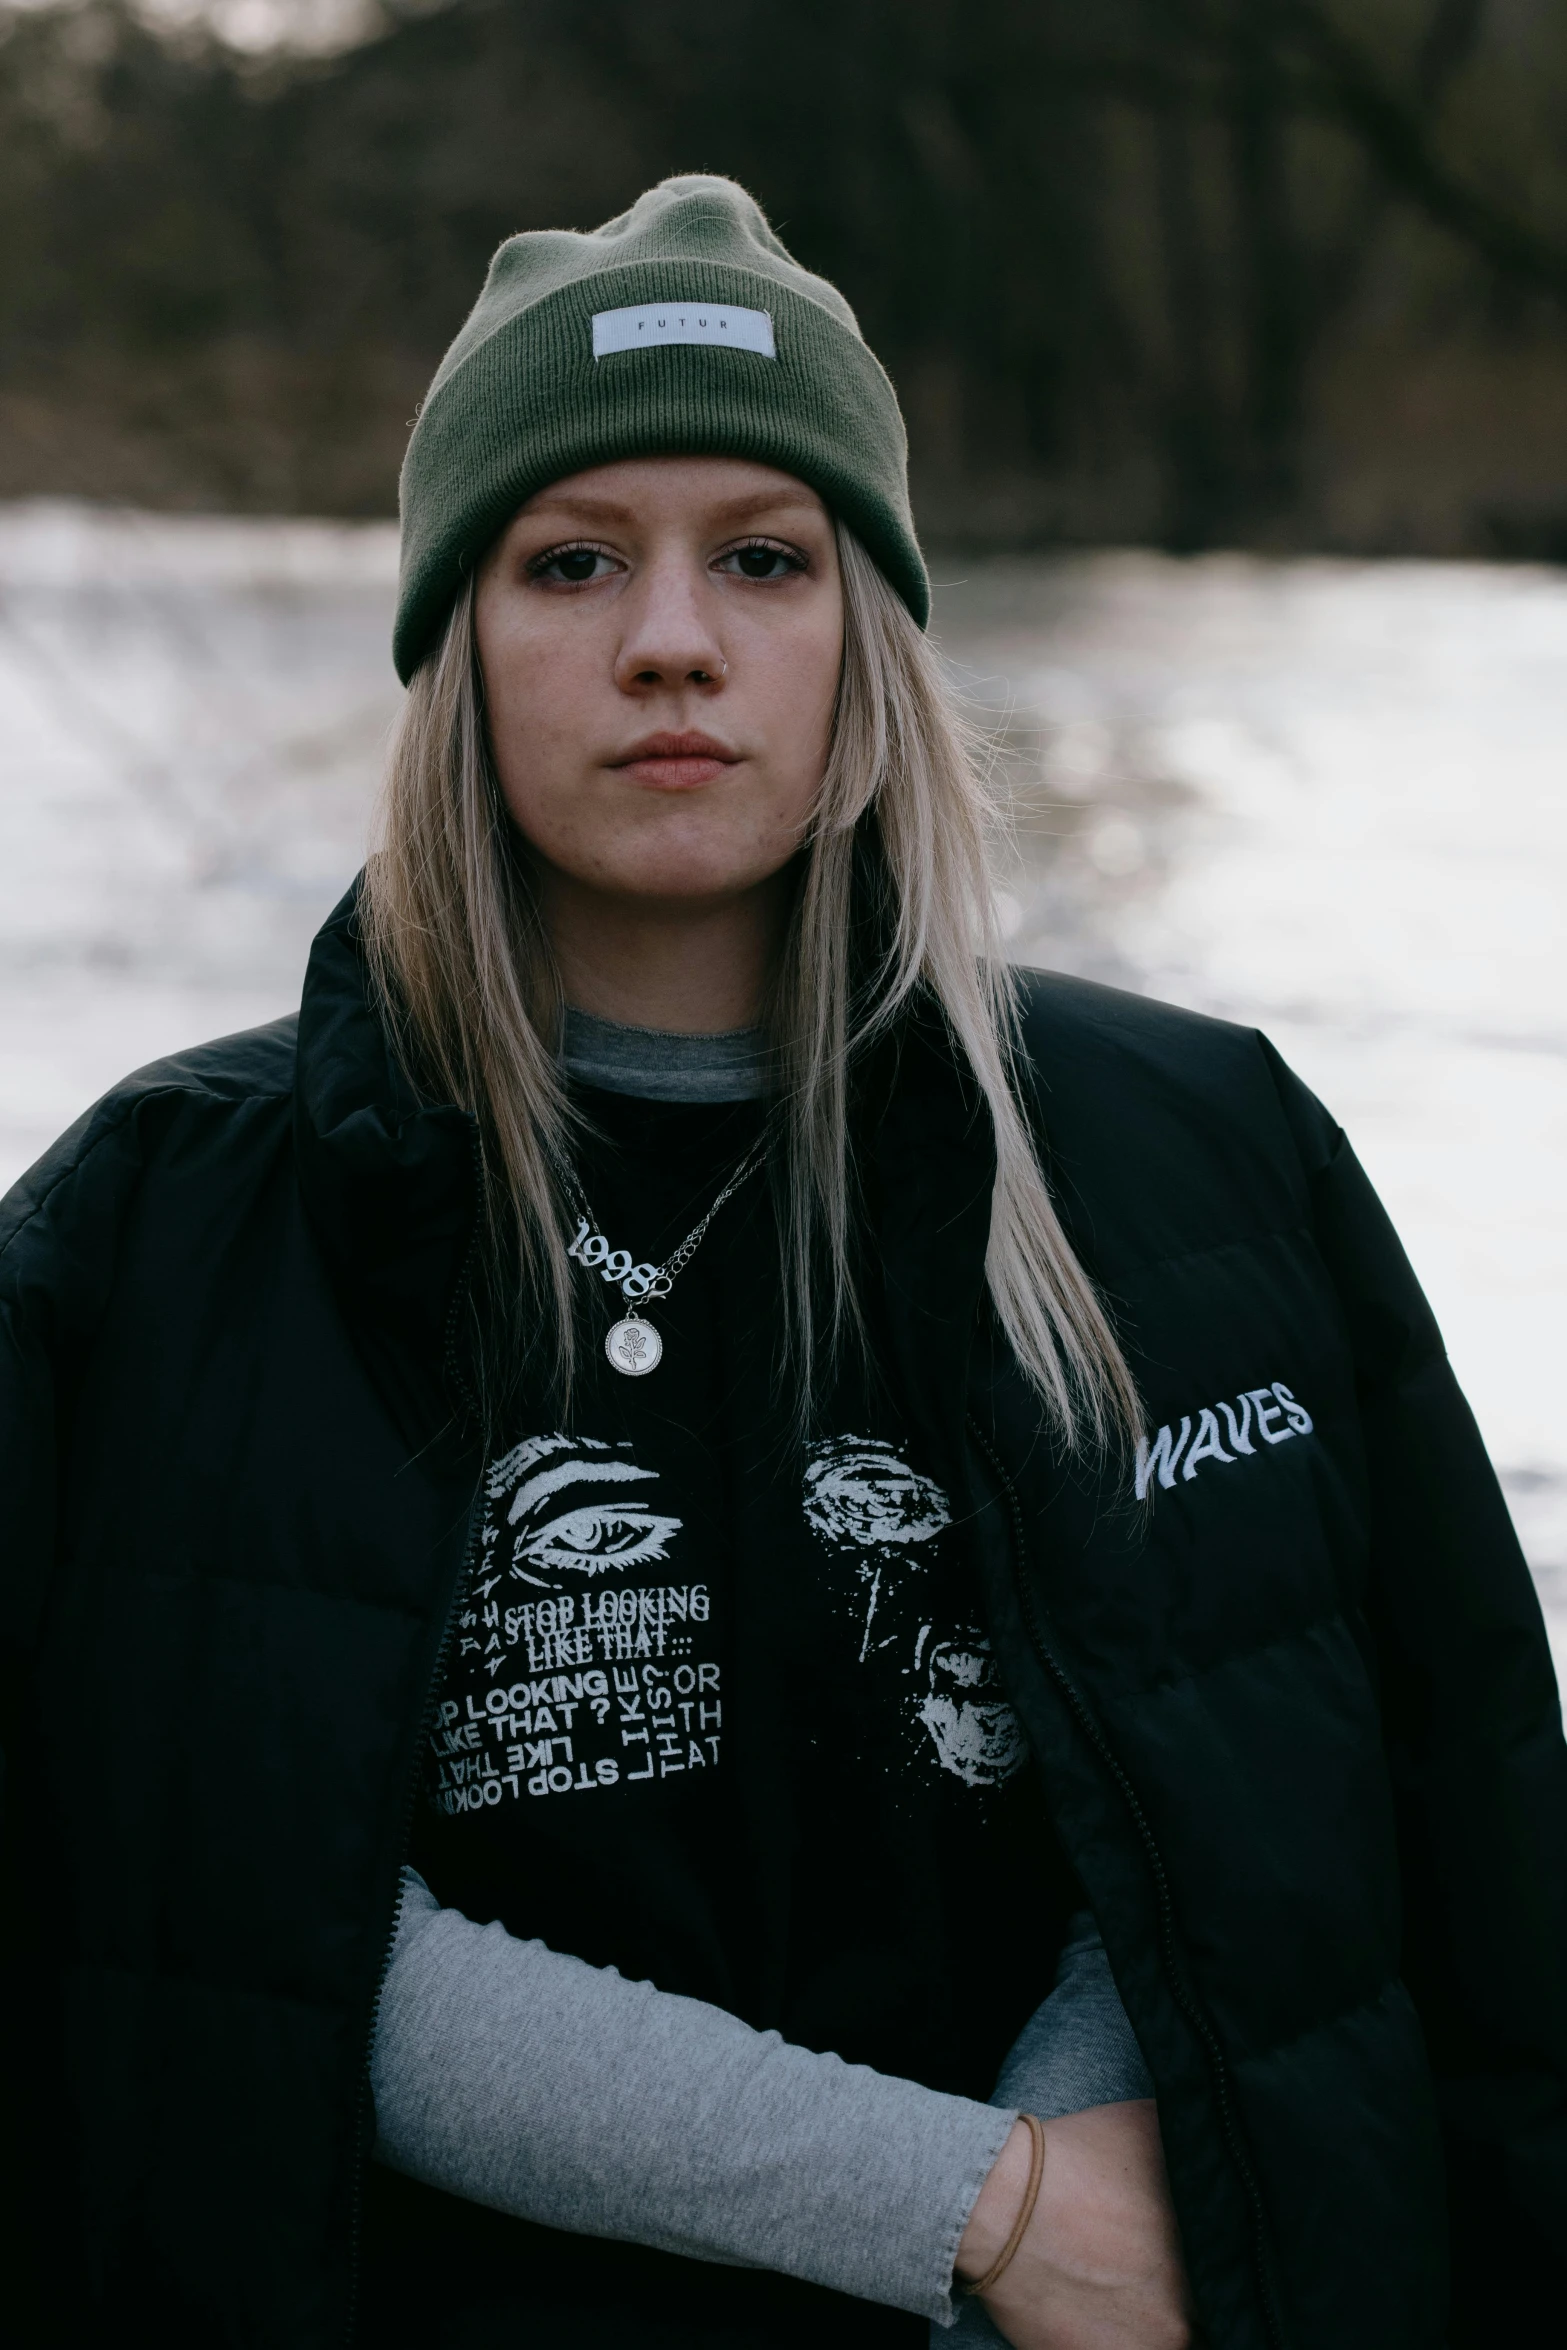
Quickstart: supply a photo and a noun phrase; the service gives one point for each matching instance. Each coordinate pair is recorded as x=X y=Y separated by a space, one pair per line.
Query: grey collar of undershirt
x=661 y=1065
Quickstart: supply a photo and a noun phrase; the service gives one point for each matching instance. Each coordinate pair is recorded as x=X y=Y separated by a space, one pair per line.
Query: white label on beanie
x=683 y=322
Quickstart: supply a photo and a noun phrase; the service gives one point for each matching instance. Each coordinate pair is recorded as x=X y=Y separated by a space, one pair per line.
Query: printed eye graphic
x=597 y=1536
x=567 y=1498
x=858 y=1491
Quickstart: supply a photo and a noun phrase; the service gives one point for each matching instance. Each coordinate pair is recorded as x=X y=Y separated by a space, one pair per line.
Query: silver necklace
x=632 y=1344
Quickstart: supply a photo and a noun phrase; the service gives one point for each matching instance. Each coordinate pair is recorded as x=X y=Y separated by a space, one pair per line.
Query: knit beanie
x=682 y=327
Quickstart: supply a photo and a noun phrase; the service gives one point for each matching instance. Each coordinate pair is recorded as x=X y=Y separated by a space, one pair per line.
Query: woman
x=606 y=1586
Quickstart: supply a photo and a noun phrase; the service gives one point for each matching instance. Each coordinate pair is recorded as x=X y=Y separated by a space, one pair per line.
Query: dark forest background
x=1257 y=272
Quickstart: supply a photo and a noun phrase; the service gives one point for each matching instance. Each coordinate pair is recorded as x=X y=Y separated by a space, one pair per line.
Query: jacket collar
x=389 y=1183
x=928 y=1158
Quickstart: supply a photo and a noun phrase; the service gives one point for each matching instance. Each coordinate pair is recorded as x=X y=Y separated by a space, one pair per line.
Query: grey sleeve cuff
x=520 y=2078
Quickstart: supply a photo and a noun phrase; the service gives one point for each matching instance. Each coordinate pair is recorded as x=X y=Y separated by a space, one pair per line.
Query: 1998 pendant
x=634 y=1346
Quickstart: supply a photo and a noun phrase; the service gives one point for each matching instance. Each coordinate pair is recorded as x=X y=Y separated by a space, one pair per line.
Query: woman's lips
x=675 y=762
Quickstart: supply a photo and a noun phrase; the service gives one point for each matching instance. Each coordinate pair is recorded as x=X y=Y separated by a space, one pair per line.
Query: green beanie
x=682 y=327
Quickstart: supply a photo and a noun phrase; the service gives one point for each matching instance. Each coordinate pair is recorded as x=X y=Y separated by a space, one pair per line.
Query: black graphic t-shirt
x=719 y=1711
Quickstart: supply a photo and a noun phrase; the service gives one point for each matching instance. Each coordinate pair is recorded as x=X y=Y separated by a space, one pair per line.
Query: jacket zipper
x=362 y=2103
x=1185 y=1998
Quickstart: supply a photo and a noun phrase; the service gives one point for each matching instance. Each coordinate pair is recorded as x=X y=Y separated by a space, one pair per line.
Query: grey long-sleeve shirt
x=527 y=2080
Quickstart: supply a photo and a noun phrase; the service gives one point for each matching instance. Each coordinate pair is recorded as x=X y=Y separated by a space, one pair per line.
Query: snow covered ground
x=1325 y=797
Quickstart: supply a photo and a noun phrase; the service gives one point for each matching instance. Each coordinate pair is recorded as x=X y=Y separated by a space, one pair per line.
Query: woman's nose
x=671 y=640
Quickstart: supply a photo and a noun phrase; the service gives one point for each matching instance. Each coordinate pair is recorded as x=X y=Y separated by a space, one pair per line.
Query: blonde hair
x=898 y=843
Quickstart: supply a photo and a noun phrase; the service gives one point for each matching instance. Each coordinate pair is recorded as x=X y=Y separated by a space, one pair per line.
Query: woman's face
x=660 y=641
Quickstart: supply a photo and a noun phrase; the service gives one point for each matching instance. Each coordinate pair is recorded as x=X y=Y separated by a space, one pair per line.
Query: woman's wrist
x=997 y=2207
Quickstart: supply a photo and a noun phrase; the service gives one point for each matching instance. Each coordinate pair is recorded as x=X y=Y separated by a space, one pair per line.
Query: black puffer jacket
x=1298 y=1723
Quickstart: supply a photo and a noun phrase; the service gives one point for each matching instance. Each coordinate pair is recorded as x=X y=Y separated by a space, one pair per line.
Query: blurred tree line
x=1257 y=272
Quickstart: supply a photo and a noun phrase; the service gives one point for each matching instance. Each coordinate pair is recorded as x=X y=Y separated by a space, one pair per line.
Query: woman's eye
x=759 y=561
x=571 y=566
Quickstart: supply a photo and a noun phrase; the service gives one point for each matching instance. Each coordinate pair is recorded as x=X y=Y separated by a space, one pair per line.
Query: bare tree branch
x=1450 y=41
x=1396 y=133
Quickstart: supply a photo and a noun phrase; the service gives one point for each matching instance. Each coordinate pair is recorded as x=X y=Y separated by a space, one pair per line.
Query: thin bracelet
x=1036 y=2171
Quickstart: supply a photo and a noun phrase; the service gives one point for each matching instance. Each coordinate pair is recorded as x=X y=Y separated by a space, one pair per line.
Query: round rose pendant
x=634 y=1347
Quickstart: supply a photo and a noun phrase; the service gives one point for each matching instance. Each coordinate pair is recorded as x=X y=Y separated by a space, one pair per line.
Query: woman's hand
x=1099 y=2267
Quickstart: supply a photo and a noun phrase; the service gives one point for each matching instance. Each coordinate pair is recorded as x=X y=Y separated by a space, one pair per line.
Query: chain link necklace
x=632 y=1344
